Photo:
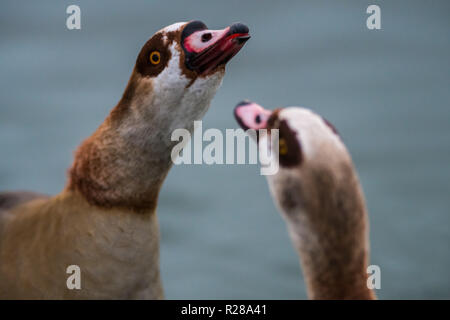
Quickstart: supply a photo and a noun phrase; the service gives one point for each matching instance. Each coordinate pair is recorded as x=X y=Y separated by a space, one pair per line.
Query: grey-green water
x=386 y=91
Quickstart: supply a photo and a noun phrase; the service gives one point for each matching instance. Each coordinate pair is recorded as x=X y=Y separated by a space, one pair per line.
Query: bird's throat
x=328 y=225
x=121 y=167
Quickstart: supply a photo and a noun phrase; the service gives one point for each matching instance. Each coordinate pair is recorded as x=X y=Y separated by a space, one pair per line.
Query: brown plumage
x=104 y=221
x=320 y=198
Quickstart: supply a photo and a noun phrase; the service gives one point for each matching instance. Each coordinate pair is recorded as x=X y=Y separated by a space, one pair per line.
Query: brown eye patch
x=272 y=122
x=290 y=151
x=154 y=57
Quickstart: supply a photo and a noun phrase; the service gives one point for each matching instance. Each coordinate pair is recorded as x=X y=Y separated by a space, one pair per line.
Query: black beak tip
x=242 y=103
x=242 y=39
x=238 y=28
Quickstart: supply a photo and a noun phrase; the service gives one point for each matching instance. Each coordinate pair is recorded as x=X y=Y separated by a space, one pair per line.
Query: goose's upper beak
x=207 y=49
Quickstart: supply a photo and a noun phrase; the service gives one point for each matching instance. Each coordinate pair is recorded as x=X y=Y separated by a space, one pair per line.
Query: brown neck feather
x=328 y=225
x=122 y=164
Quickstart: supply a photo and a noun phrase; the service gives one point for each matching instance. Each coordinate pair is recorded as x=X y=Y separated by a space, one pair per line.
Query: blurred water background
x=386 y=91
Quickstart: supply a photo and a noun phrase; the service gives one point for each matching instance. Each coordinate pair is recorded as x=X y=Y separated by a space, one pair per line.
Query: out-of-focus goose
x=319 y=196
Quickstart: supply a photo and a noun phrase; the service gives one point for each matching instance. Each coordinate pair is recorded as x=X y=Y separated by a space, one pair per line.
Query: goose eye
x=155 y=57
x=283 y=148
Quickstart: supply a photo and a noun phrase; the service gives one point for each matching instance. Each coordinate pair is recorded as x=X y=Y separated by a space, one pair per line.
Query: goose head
x=313 y=160
x=177 y=73
x=175 y=77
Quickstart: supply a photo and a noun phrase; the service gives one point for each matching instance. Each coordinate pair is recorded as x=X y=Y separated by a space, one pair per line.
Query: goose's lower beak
x=207 y=49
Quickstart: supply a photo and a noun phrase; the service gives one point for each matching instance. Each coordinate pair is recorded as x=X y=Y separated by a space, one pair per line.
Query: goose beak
x=208 y=49
x=250 y=115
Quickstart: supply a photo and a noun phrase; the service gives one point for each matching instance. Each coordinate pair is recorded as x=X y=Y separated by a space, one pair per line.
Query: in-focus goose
x=104 y=221
x=319 y=195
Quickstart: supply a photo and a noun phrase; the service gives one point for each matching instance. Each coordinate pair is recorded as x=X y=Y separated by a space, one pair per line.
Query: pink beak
x=250 y=115
x=207 y=49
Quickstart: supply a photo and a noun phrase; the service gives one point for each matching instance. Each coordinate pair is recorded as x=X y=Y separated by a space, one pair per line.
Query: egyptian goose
x=104 y=221
x=318 y=193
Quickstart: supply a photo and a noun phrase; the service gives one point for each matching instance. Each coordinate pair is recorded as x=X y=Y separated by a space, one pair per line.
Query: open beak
x=207 y=49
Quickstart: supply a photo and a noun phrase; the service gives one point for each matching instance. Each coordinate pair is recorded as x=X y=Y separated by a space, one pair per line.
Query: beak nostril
x=206 y=37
